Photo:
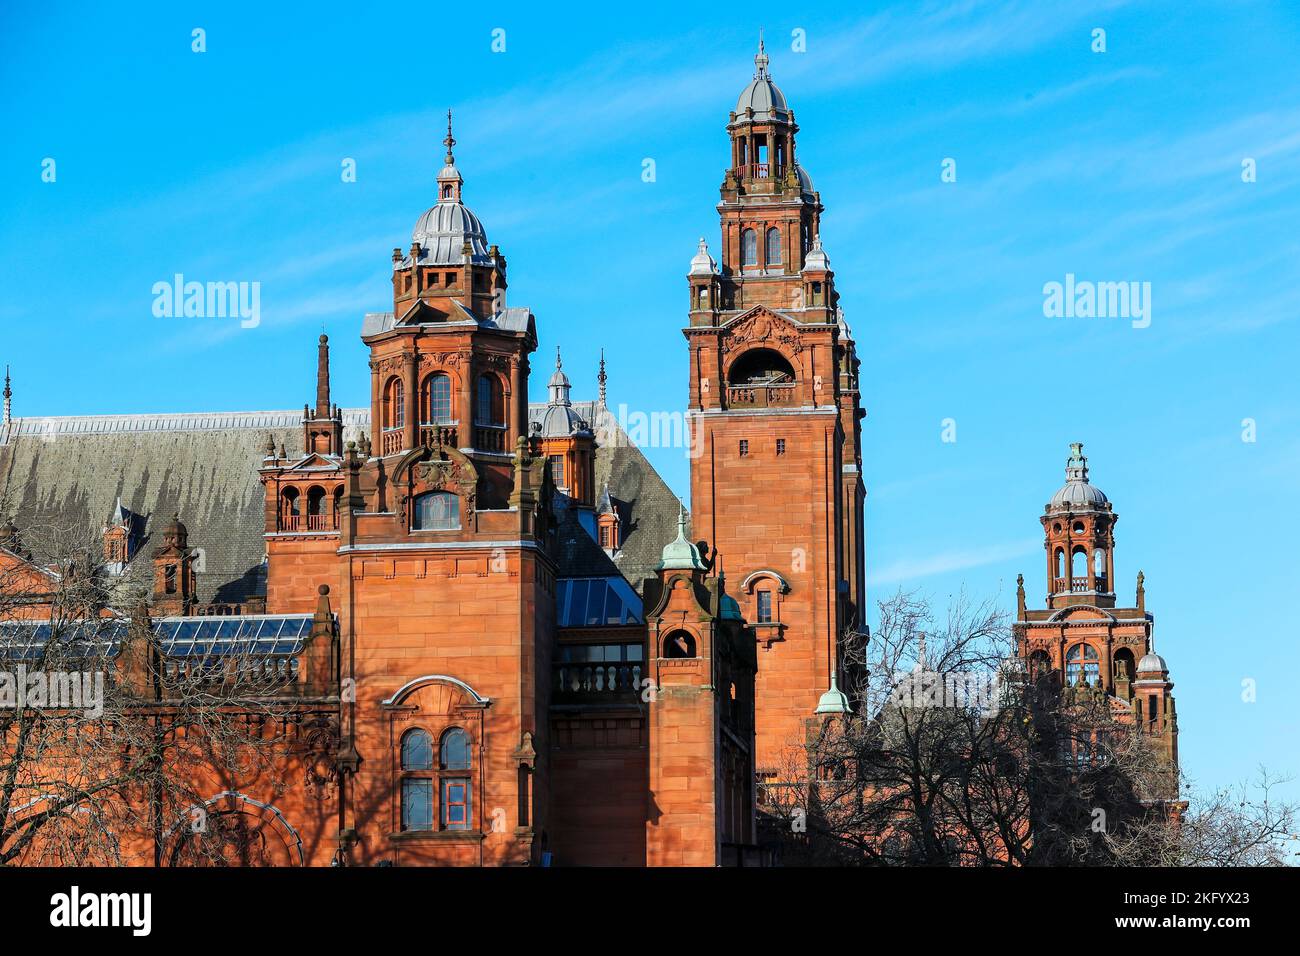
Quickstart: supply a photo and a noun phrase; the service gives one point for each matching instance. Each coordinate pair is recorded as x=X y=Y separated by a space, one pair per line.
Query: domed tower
x=450 y=363
x=567 y=442
x=1080 y=526
x=774 y=413
x=1083 y=641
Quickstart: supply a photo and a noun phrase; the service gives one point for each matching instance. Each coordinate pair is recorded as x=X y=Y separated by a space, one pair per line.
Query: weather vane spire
x=449 y=142
x=761 y=60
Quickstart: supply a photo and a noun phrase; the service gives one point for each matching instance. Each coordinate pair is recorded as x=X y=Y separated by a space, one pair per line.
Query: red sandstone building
x=495 y=607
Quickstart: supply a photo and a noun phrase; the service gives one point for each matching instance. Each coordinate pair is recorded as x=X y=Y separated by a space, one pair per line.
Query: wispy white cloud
x=908 y=570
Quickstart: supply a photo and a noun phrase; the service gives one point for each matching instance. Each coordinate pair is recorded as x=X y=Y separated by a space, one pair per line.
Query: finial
x=602 y=378
x=1076 y=469
x=449 y=142
x=558 y=363
x=681 y=519
x=761 y=60
x=9 y=392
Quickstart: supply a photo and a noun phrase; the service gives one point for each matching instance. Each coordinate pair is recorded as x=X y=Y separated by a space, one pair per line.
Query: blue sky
x=1117 y=166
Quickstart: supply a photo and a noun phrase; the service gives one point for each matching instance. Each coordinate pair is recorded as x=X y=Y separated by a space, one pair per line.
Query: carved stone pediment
x=762 y=326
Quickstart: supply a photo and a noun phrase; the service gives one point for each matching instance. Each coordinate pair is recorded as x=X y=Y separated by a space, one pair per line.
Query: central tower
x=774 y=413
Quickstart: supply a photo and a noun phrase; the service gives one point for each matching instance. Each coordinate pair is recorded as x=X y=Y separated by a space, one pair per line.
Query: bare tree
x=956 y=755
x=111 y=743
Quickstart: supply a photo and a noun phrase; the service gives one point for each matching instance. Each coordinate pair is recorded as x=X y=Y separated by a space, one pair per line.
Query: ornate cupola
x=449 y=260
x=1080 y=539
x=567 y=441
x=771 y=210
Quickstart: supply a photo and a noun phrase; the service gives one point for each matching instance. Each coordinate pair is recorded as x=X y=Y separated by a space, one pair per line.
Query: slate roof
x=68 y=473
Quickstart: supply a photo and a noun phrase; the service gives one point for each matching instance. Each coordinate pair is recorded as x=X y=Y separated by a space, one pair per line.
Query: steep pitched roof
x=68 y=472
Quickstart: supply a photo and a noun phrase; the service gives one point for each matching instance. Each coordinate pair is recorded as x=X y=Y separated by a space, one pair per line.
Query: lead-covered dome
x=443 y=231
x=761 y=95
x=1078 y=494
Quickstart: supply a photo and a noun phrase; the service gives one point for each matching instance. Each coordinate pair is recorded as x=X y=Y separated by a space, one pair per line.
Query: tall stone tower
x=1083 y=638
x=774 y=413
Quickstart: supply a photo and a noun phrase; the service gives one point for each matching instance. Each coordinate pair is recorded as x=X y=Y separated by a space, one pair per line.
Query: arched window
x=1082 y=659
x=1079 y=563
x=394 y=404
x=454 y=765
x=435 y=511
x=455 y=753
x=435 y=400
x=749 y=248
x=679 y=645
x=417 y=781
x=1099 y=564
x=490 y=401
x=1124 y=666
x=289 y=509
x=761 y=367
x=1060 y=563
x=774 y=247
x=417 y=750
x=315 y=499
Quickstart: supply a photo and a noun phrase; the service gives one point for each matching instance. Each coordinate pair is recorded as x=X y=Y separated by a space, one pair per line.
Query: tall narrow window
x=435 y=404
x=417 y=780
x=394 y=404
x=436 y=511
x=774 y=247
x=489 y=401
x=764 y=602
x=780 y=446
x=749 y=248
x=744 y=448
x=454 y=765
x=557 y=470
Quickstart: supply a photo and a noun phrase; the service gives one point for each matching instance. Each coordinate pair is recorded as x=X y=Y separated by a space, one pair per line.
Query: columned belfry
x=774 y=410
x=1080 y=526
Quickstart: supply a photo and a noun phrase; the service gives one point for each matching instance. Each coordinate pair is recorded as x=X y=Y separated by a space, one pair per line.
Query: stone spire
x=601 y=379
x=323 y=378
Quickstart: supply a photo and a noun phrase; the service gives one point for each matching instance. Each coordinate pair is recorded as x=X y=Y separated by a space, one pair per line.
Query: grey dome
x=1152 y=663
x=702 y=263
x=1078 y=494
x=443 y=230
x=560 y=420
x=761 y=95
x=816 y=260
